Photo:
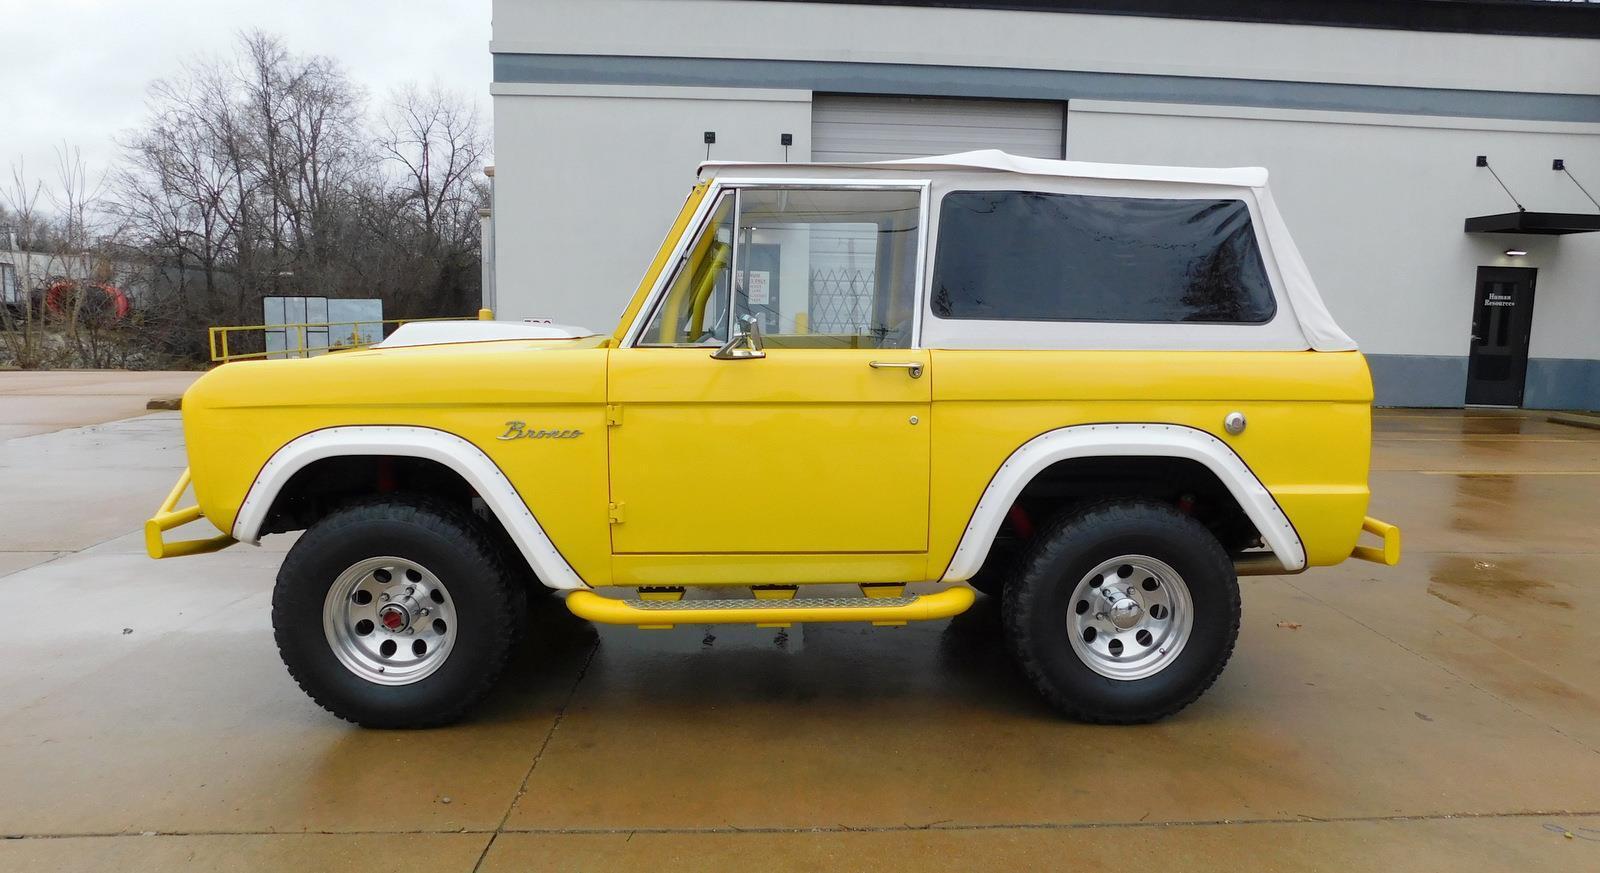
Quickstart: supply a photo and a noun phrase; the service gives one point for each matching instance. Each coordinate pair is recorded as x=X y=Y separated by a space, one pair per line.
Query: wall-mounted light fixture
x=1515 y=253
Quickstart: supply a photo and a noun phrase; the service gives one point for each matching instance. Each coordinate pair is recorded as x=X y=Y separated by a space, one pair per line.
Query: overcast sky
x=76 y=70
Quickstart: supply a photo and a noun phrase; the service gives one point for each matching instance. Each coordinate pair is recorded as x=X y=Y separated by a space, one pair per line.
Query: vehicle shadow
x=961 y=661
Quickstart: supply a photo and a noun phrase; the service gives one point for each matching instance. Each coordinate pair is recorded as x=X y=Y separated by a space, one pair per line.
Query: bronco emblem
x=518 y=430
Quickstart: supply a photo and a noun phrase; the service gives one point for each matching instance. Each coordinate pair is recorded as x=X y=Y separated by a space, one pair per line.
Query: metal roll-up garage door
x=848 y=128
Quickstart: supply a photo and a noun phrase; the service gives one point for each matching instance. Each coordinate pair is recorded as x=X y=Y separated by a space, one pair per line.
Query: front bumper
x=1388 y=553
x=169 y=516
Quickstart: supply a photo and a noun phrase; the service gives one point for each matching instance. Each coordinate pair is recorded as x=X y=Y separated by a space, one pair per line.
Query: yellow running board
x=666 y=613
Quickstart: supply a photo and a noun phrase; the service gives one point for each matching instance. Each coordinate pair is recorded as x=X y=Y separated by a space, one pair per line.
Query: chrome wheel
x=1130 y=617
x=389 y=621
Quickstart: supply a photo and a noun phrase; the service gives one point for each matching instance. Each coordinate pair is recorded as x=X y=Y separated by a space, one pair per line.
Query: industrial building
x=1430 y=156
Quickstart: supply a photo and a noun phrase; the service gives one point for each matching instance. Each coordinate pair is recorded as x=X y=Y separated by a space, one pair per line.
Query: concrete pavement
x=1438 y=715
x=41 y=401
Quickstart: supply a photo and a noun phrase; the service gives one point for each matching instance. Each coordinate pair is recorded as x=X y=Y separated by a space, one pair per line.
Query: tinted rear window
x=1025 y=256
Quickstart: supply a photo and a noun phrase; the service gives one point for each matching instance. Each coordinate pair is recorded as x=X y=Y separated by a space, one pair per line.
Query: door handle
x=912 y=368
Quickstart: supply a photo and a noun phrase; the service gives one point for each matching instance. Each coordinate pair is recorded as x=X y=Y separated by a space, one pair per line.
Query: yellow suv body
x=970 y=368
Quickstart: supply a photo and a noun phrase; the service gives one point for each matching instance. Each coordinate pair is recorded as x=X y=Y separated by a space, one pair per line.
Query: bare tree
x=433 y=144
x=23 y=319
x=63 y=276
x=262 y=173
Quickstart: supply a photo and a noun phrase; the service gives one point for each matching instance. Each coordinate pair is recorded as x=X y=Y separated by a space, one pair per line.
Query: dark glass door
x=1502 y=320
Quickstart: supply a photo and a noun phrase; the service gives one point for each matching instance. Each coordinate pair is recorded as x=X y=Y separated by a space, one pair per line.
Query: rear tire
x=1139 y=563
x=432 y=571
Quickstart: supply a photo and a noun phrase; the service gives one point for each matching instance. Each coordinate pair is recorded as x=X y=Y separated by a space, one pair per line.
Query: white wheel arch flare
x=466 y=459
x=1123 y=441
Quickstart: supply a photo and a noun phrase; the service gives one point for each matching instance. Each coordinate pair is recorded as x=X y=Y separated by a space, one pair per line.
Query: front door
x=804 y=451
x=1502 y=321
x=820 y=445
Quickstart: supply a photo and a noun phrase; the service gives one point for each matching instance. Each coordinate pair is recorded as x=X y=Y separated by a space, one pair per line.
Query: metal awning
x=1537 y=223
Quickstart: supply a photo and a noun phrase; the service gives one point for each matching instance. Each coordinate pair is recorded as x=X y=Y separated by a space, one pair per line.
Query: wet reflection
x=1454 y=422
x=1495 y=584
x=1479 y=503
x=709 y=667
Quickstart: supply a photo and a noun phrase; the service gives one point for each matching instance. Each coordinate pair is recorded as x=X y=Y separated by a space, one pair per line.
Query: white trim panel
x=413 y=442
x=654 y=92
x=1332 y=116
x=1124 y=441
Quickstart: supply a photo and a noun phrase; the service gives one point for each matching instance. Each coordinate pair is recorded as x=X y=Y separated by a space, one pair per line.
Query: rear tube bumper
x=1387 y=554
x=169 y=516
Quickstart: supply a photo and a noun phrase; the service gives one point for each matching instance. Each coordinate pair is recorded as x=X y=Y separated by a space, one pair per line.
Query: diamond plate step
x=797 y=603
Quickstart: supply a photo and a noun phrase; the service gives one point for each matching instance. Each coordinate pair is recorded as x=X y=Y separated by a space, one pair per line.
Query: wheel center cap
x=394 y=617
x=1125 y=613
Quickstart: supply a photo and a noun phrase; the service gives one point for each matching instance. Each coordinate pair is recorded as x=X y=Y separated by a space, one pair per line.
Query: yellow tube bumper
x=1388 y=553
x=170 y=516
x=607 y=610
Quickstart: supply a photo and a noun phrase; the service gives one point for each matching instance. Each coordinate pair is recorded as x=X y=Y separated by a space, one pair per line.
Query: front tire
x=1123 y=612
x=396 y=612
x=998 y=568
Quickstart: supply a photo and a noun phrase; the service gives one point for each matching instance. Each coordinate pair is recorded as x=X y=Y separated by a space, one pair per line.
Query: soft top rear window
x=1028 y=256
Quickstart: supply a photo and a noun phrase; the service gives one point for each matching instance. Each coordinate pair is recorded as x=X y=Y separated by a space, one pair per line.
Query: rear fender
x=1123 y=440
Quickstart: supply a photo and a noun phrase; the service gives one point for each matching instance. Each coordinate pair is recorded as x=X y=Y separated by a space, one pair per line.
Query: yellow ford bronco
x=1097 y=392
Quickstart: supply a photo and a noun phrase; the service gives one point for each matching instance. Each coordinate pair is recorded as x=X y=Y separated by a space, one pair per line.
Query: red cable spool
x=58 y=298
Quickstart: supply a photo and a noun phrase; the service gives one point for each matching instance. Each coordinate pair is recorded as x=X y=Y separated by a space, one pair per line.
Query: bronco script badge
x=518 y=430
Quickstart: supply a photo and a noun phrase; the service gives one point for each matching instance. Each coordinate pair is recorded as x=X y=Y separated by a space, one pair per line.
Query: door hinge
x=613 y=416
x=614 y=513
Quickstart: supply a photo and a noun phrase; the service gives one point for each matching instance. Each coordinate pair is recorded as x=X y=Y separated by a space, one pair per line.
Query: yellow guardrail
x=221 y=343
x=170 y=516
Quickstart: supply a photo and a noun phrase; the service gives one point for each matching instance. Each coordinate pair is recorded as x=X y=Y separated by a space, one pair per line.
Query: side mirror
x=744 y=345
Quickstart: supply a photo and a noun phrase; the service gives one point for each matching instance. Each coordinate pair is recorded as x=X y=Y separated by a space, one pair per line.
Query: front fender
x=466 y=459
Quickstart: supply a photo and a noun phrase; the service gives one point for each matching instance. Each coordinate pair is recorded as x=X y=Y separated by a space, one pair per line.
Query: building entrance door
x=1502 y=321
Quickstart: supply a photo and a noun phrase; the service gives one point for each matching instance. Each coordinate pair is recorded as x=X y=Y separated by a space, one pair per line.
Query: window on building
x=828 y=268
x=1023 y=256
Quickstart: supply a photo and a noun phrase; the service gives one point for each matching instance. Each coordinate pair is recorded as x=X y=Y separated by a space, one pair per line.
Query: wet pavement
x=41 y=401
x=1438 y=715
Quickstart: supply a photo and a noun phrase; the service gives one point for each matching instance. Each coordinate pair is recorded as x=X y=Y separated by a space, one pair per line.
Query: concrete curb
x=171 y=402
x=1577 y=419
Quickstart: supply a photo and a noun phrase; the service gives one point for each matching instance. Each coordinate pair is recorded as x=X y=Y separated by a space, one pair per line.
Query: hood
x=433 y=333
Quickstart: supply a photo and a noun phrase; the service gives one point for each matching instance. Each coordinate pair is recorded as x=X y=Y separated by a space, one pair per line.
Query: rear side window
x=1026 y=256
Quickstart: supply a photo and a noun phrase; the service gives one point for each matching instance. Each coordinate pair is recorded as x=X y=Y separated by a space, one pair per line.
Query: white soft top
x=1316 y=323
x=994 y=159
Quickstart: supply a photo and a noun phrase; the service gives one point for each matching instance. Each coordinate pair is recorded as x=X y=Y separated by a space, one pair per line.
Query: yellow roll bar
x=705 y=282
x=169 y=517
